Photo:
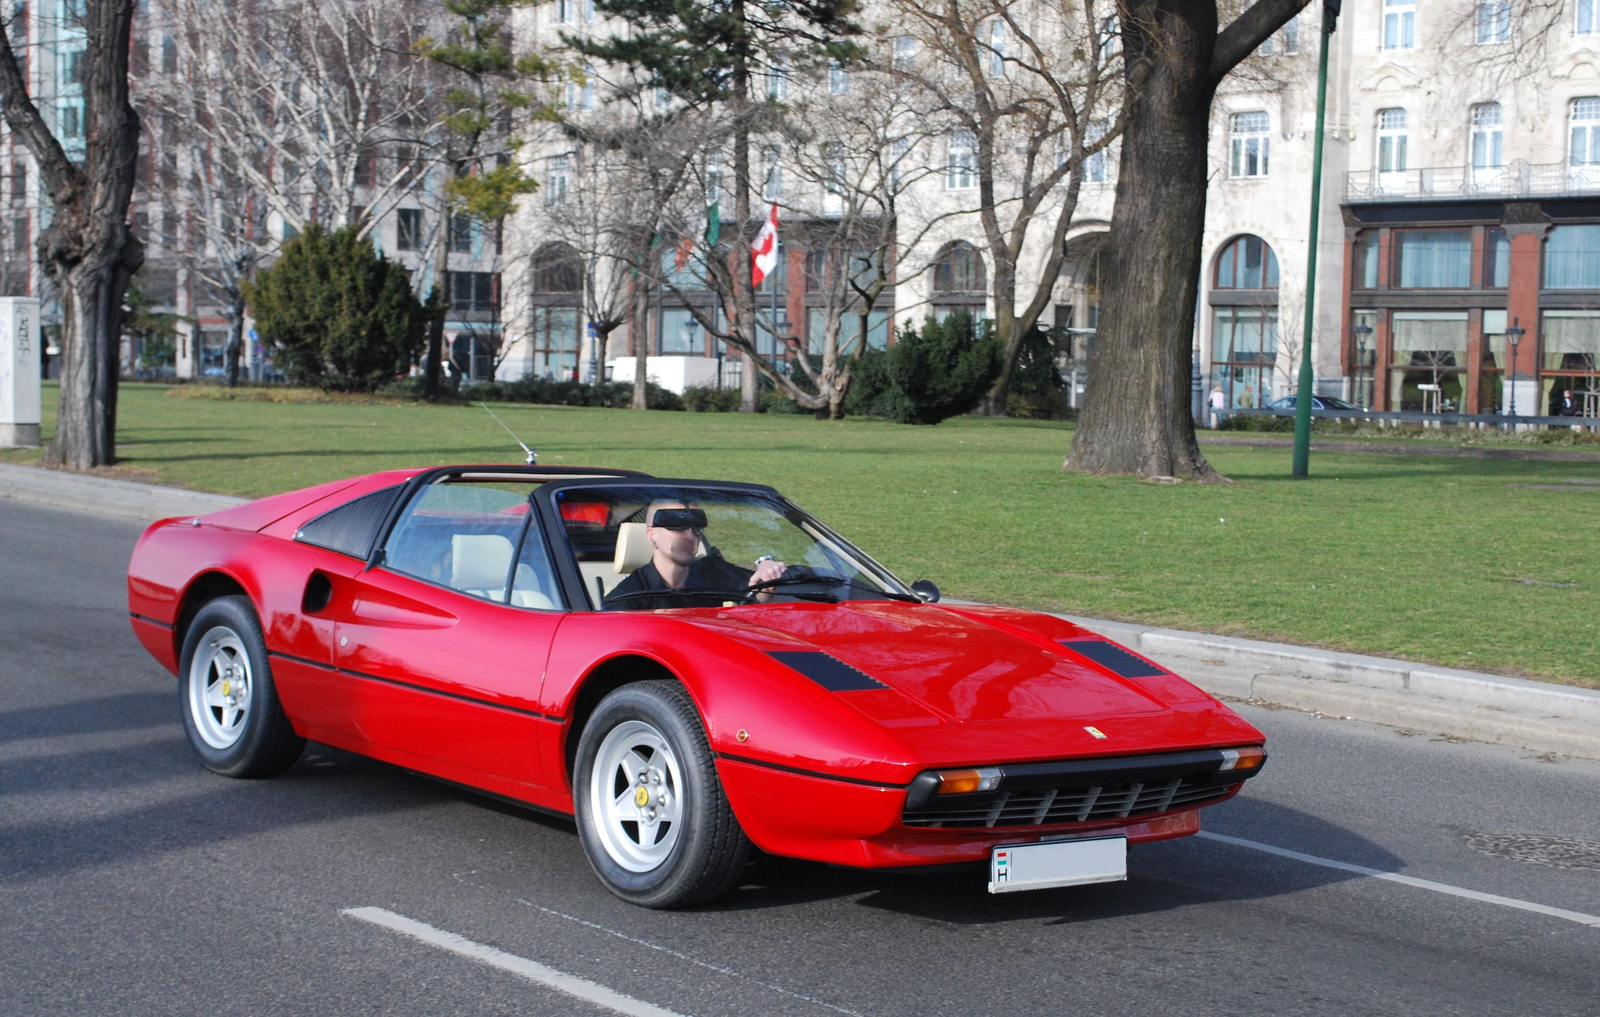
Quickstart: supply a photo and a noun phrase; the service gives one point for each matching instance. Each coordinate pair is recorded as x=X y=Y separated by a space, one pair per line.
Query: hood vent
x=827 y=670
x=1113 y=658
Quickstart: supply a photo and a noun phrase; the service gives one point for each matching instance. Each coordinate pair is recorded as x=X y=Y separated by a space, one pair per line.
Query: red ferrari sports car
x=688 y=667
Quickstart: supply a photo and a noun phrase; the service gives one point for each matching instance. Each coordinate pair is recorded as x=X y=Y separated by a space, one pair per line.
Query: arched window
x=557 y=269
x=1244 y=322
x=960 y=281
x=557 y=284
x=1246 y=264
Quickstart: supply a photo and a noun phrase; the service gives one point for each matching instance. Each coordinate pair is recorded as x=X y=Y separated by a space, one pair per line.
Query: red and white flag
x=764 y=252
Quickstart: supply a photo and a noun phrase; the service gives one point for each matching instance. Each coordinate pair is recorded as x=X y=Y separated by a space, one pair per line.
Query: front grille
x=1080 y=804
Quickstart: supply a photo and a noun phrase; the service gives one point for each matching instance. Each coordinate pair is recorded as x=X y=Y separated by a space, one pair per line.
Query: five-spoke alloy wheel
x=230 y=707
x=651 y=812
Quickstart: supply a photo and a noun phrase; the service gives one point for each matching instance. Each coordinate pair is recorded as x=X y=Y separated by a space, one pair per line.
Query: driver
x=674 y=539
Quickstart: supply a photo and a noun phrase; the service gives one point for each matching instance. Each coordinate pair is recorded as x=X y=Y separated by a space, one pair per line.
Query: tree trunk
x=90 y=295
x=639 y=335
x=235 y=339
x=1136 y=413
x=87 y=251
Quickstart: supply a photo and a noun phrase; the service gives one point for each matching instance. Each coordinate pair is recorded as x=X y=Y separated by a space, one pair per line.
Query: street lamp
x=1514 y=336
x=1363 y=333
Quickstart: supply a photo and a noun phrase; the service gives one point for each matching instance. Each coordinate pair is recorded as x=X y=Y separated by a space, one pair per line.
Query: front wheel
x=230 y=706
x=651 y=812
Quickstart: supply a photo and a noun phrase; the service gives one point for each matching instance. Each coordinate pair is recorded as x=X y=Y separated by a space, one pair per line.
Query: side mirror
x=926 y=590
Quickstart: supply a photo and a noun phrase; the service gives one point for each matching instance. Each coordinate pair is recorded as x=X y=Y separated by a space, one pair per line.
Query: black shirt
x=713 y=572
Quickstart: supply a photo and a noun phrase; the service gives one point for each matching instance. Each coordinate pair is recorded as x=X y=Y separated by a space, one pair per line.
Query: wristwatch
x=765 y=557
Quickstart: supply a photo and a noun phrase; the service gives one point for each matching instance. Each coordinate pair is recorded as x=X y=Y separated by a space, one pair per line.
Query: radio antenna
x=533 y=457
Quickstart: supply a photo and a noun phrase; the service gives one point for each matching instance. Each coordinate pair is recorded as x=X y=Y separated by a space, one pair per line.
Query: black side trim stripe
x=1113 y=658
x=826 y=670
x=151 y=621
x=415 y=688
x=810 y=773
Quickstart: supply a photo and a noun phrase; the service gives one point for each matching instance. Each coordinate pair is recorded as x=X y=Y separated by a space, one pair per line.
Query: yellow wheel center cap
x=641 y=796
x=227 y=687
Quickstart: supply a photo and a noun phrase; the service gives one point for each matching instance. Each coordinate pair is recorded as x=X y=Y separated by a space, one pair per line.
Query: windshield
x=645 y=547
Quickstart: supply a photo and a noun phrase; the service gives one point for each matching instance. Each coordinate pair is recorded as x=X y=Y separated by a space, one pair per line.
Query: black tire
x=709 y=849
x=223 y=667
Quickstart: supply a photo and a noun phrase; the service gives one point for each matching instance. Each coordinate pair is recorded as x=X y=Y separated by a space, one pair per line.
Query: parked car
x=1318 y=402
x=499 y=627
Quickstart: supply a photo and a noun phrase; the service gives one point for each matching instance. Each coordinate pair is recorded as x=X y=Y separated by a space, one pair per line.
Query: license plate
x=1057 y=863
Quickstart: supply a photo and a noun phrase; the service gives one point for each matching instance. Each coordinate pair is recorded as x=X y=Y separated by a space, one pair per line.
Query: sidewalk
x=1435 y=701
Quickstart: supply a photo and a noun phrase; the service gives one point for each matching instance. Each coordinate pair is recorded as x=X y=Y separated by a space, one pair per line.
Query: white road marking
x=685 y=957
x=1395 y=877
x=533 y=971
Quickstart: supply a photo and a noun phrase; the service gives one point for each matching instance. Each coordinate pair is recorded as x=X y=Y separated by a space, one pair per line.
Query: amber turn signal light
x=965 y=782
x=1247 y=758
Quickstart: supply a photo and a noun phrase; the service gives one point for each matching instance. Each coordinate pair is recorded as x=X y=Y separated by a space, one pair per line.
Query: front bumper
x=811 y=816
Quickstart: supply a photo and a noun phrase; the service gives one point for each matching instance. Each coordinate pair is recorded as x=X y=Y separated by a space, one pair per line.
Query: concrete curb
x=1451 y=703
x=1446 y=702
x=102 y=496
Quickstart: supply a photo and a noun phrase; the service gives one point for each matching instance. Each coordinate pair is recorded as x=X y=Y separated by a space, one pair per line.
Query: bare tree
x=1027 y=91
x=87 y=252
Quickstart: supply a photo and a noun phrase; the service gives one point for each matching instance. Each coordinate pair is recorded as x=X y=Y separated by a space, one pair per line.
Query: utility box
x=19 y=372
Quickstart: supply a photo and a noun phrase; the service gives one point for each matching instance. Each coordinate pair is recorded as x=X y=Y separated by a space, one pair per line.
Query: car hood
x=959 y=668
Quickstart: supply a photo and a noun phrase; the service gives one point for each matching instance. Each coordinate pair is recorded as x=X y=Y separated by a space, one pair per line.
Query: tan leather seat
x=479 y=564
x=633 y=548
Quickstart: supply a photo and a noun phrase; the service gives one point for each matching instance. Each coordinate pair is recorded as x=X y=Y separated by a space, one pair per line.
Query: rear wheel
x=651 y=812
x=229 y=704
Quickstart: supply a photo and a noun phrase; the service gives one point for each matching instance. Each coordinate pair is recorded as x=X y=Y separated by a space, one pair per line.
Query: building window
x=1097 y=167
x=72 y=67
x=772 y=155
x=1246 y=264
x=834 y=182
x=1572 y=258
x=1244 y=353
x=408 y=229
x=1110 y=38
x=960 y=280
x=1493 y=22
x=1429 y=349
x=1586 y=131
x=556 y=341
x=1364 y=270
x=1486 y=136
x=19 y=181
x=1391 y=141
x=713 y=178
x=1433 y=259
x=474 y=292
x=564 y=10
x=961 y=161
x=71 y=121
x=905 y=53
x=898 y=150
x=169 y=55
x=1399 y=24
x=997 y=48
x=19 y=235
x=1286 y=40
x=681 y=333
x=1588 y=21
x=778 y=79
x=461 y=234
x=1249 y=141
x=838 y=79
x=555 y=191
x=1496 y=259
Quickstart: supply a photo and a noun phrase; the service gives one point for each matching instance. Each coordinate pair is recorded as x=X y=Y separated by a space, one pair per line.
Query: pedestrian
x=1248 y=400
x=1218 y=403
x=1569 y=405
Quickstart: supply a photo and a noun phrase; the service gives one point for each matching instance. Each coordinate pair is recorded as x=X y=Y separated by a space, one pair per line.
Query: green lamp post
x=1302 y=403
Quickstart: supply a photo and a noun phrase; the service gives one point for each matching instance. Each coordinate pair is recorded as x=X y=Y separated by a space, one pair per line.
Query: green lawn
x=1427 y=558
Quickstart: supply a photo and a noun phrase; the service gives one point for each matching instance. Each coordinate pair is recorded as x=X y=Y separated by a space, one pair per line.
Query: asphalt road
x=132 y=881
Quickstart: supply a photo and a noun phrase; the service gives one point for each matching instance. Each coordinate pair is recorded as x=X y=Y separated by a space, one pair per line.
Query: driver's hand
x=768 y=570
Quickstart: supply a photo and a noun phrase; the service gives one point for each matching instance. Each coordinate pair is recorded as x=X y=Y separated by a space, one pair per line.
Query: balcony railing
x=1517 y=179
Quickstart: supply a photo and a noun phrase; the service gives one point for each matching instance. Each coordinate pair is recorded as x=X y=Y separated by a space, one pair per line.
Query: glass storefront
x=1244 y=353
x=1428 y=365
